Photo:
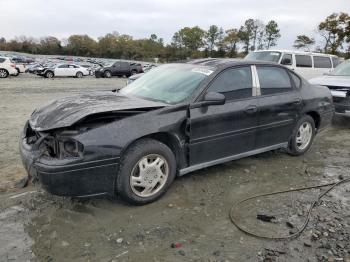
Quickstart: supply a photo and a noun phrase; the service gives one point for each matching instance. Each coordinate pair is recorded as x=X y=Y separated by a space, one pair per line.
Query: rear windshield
x=270 y=56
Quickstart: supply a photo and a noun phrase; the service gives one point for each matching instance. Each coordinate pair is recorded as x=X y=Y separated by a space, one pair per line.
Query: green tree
x=303 y=41
x=272 y=34
x=81 y=45
x=50 y=45
x=245 y=34
x=333 y=31
x=211 y=37
x=191 y=38
x=231 y=40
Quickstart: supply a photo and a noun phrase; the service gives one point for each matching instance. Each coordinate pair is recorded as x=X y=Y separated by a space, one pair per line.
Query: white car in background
x=307 y=64
x=62 y=70
x=7 y=67
x=338 y=82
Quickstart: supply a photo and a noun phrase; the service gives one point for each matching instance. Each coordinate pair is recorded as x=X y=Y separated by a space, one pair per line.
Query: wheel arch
x=4 y=69
x=170 y=140
x=316 y=117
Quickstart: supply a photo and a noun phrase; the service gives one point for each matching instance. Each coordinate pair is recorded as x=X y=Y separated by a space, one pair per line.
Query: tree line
x=188 y=42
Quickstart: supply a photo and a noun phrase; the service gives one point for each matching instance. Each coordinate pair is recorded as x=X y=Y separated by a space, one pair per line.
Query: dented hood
x=67 y=111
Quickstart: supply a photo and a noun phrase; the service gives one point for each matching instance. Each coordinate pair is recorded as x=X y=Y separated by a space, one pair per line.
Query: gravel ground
x=191 y=222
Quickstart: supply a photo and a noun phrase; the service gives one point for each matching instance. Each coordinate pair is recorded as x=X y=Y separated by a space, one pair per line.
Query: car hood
x=331 y=80
x=65 y=112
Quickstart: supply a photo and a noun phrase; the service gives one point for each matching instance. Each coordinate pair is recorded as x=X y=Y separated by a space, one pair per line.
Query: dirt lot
x=194 y=213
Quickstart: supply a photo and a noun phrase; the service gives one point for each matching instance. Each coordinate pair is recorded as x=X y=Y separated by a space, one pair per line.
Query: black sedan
x=176 y=119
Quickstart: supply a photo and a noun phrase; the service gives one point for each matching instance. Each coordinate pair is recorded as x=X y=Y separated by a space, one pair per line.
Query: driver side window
x=234 y=83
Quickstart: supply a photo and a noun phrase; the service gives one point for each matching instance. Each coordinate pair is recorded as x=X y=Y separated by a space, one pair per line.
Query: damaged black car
x=176 y=119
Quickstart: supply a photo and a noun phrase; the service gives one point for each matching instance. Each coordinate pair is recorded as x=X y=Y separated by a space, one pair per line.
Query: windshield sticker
x=275 y=53
x=202 y=71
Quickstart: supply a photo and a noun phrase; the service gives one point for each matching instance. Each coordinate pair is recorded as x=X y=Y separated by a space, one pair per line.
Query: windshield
x=342 y=70
x=172 y=83
x=270 y=56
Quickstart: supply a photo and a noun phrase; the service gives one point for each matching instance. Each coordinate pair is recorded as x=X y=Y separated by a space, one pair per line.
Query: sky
x=141 y=18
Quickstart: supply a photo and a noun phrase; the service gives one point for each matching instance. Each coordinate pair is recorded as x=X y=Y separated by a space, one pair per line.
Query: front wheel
x=49 y=74
x=107 y=74
x=147 y=169
x=302 y=137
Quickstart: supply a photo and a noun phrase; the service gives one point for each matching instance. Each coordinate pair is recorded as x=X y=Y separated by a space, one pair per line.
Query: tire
x=107 y=74
x=79 y=75
x=142 y=153
x=298 y=143
x=18 y=72
x=49 y=74
x=3 y=73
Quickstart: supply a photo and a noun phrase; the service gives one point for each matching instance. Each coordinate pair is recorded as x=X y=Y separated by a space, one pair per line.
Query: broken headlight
x=61 y=147
x=69 y=147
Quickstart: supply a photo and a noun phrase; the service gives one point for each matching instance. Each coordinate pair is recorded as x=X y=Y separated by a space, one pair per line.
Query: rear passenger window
x=303 y=61
x=322 y=62
x=335 y=61
x=234 y=83
x=2 y=60
x=273 y=80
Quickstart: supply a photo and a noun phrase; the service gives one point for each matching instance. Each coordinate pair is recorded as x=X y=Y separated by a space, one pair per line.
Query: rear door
x=124 y=68
x=72 y=70
x=279 y=105
x=221 y=131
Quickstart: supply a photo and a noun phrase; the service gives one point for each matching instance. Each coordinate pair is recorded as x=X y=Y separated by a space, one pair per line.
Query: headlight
x=61 y=147
x=71 y=148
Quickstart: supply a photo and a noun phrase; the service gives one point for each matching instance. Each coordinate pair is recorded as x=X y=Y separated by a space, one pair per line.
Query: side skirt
x=189 y=169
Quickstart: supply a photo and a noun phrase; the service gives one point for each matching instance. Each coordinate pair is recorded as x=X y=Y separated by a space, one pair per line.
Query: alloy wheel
x=149 y=175
x=304 y=136
x=3 y=73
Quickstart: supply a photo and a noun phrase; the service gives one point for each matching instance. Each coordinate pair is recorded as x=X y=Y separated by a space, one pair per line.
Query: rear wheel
x=147 y=170
x=302 y=137
x=79 y=75
x=3 y=73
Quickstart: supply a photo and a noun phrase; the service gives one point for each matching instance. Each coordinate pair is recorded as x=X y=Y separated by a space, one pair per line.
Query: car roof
x=296 y=52
x=226 y=62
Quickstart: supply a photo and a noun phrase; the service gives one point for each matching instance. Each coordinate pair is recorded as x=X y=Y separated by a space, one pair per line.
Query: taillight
x=13 y=65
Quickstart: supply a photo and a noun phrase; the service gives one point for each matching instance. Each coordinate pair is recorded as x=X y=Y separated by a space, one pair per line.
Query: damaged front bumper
x=341 y=101
x=74 y=177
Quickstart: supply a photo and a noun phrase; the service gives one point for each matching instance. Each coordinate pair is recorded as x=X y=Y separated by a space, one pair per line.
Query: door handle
x=251 y=109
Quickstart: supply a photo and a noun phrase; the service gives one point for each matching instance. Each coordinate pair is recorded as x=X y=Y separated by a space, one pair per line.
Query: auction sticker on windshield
x=202 y=71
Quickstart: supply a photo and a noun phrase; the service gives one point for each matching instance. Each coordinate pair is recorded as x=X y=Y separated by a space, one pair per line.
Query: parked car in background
x=308 y=64
x=7 y=67
x=21 y=68
x=175 y=119
x=338 y=81
x=119 y=68
x=64 y=70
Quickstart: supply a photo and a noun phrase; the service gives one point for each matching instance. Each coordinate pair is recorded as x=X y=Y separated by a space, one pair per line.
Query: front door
x=61 y=70
x=220 y=131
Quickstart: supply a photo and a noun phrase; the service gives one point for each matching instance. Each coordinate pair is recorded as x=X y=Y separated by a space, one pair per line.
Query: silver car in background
x=338 y=81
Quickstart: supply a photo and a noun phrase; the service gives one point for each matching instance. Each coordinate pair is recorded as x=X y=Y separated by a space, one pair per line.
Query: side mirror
x=210 y=98
x=286 y=61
